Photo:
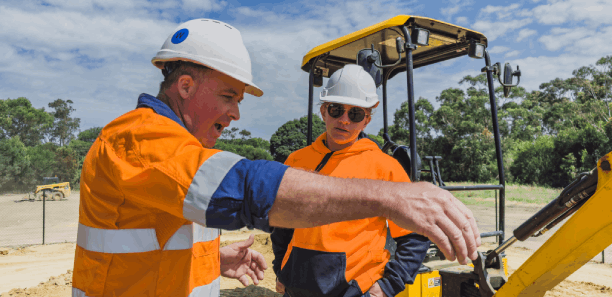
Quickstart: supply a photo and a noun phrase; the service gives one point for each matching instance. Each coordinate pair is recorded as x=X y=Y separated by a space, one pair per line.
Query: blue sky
x=97 y=52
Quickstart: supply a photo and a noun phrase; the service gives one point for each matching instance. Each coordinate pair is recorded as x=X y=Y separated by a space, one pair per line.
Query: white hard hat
x=213 y=44
x=351 y=85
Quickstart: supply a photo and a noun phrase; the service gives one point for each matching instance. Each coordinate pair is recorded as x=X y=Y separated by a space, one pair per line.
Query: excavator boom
x=580 y=239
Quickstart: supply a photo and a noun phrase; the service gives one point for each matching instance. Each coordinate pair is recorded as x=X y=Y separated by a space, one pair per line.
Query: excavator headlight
x=476 y=50
x=420 y=36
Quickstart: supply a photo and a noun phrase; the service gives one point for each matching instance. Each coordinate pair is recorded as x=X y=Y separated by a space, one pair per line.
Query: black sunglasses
x=355 y=114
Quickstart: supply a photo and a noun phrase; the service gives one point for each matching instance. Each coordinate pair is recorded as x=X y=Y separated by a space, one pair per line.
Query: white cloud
x=461 y=20
x=594 y=12
x=502 y=12
x=498 y=49
x=524 y=33
x=493 y=30
x=205 y=5
x=513 y=53
x=455 y=7
x=562 y=37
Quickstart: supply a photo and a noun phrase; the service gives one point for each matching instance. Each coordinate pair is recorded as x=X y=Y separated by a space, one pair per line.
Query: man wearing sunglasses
x=154 y=192
x=347 y=258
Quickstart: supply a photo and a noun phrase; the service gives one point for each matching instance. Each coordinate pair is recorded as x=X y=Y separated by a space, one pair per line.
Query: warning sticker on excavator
x=434 y=282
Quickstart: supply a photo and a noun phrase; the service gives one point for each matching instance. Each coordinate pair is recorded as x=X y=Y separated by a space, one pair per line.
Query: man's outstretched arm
x=306 y=199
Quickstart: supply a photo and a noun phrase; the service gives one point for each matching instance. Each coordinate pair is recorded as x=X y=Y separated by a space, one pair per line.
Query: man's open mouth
x=219 y=127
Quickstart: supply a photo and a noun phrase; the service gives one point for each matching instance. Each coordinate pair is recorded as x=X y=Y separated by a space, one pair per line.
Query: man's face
x=342 y=130
x=213 y=106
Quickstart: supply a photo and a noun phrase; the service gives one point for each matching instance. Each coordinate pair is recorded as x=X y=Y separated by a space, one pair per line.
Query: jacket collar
x=360 y=145
x=146 y=100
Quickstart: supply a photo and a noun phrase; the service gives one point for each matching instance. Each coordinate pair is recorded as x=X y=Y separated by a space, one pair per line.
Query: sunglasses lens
x=356 y=114
x=335 y=110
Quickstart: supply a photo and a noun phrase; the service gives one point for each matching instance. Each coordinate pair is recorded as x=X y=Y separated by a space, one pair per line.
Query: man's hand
x=433 y=212
x=238 y=261
x=280 y=288
x=376 y=291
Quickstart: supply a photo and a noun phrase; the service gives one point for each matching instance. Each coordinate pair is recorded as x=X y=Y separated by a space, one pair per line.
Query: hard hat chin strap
x=169 y=67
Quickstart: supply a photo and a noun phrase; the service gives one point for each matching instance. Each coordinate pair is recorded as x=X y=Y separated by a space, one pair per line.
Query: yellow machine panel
x=427 y=284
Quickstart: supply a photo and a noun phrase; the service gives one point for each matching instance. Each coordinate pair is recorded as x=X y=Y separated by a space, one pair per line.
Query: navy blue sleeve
x=281 y=238
x=411 y=250
x=245 y=196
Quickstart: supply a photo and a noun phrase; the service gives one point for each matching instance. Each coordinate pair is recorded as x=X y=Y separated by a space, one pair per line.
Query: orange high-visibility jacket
x=343 y=257
x=148 y=188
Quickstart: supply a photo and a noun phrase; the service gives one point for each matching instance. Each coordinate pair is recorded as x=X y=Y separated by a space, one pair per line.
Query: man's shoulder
x=141 y=121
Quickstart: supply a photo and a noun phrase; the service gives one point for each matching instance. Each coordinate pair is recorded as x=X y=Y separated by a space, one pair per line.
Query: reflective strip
x=201 y=233
x=78 y=293
x=182 y=239
x=213 y=289
x=205 y=183
x=113 y=241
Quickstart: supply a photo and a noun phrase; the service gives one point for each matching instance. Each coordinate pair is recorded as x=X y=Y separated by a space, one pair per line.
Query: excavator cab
x=404 y=43
x=401 y=44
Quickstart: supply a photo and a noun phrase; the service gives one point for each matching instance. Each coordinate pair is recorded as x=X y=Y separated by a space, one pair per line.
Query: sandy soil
x=46 y=270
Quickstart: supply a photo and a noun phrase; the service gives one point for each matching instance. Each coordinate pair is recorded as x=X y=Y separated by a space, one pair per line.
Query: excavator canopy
x=446 y=41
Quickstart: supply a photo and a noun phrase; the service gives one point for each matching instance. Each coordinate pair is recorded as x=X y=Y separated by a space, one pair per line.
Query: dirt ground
x=22 y=263
x=21 y=221
x=46 y=270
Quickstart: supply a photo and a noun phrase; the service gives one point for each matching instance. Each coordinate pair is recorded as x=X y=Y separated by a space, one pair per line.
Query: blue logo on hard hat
x=180 y=36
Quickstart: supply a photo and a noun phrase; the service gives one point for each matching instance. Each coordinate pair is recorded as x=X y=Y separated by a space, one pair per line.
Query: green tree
x=229 y=133
x=251 y=148
x=291 y=136
x=248 y=151
x=19 y=118
x=245 y=134
x=90 y=134
x=64 y=126
x=42 y=159
x=15 y=165
x=67 y=167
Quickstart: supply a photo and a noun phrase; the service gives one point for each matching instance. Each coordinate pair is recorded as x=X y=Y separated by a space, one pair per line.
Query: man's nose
x=234 y=112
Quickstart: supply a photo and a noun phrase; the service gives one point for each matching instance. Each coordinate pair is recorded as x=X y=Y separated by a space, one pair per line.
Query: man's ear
x=186 y=86
x=323 y=111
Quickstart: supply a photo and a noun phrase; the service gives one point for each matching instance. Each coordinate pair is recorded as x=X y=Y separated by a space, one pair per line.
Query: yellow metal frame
x=442 y=34
x=580 y=239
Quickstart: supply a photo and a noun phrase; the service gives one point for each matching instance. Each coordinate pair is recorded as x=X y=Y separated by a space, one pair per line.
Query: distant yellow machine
x=51 y=189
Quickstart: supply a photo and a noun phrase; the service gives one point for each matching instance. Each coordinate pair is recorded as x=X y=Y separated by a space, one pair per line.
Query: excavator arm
x=580 y=239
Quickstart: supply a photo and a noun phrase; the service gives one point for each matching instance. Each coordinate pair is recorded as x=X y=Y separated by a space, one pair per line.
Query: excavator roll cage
x=404 y=43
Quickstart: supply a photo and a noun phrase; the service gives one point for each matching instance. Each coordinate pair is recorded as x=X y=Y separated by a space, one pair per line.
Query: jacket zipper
x=324 y=161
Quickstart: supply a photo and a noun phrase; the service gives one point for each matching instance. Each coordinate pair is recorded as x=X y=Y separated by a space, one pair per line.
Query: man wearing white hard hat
x=151 y=180
x=343 y=150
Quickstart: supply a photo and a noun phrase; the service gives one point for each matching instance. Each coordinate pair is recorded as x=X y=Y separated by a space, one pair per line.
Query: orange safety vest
x=325 y=259
x=144 y=181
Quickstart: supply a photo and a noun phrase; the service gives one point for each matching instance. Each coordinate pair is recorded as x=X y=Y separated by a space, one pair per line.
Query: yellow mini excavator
x=404 y=43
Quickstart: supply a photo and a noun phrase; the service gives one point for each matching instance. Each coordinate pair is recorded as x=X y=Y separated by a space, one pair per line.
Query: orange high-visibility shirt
x=149 y=190
x=326 y=260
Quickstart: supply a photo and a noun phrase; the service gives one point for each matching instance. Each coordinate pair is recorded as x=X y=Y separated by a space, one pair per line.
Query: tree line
x=548 y=135
x=35 y=143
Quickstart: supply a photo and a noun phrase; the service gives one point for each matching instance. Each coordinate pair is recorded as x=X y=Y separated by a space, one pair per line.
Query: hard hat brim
x=349 y=101
x=164 y=56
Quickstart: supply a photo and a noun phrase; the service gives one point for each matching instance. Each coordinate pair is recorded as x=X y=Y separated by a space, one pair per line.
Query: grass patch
x=514 y=192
